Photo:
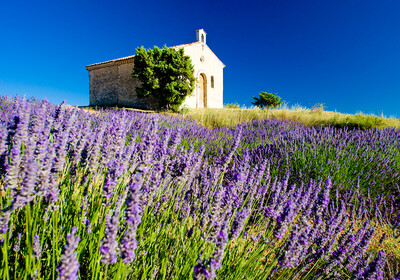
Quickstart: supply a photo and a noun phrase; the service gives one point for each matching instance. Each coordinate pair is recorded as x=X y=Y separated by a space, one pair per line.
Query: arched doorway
x=202 y=91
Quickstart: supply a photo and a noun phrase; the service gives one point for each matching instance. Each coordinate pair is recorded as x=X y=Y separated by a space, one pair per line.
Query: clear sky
x=345 y=54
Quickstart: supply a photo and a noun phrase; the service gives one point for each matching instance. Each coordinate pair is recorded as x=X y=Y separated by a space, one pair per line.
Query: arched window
x=212 y=81
x=202 y=38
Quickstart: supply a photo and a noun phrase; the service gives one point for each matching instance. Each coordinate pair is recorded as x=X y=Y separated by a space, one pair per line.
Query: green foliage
x=165 y=74
x=232 y=106
x=268 y=100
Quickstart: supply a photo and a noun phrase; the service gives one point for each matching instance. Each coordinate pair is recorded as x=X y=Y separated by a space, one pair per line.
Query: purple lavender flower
x=220 y=244
x=217 y=215
x=133 y=219
x=22 y=122
x=53 y=190
x=238 y=222
x=88 y=226
x=11 y=178
x=333 y=228
x=62 y=141
x=39 y=118
x=360 y=249
x=93 y=161
x=109 y=185
x=3 y=144
x=227 y=158
x=323 y=199
x=149 y=142
x=27 y=189
x=37 y=248
x=273 y=202
x=290 y=256
x=261 y=170
x=43 y=187
x=109 y=244
x=4 y=220
x=17 y=245
x=176 y=139
x=314 y=189
x=162 y=148
x=285 y=219
x=346 y=244
x=68 y=267
x=200 y=270
x=374 y=270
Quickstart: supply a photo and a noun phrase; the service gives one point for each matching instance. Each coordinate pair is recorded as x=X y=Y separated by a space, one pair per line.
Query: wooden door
x=202 y=91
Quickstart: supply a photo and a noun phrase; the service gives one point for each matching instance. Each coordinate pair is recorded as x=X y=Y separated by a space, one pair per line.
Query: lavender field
x=119 y=194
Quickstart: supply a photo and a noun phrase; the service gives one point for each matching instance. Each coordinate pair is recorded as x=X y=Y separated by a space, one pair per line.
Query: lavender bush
x=128 y=195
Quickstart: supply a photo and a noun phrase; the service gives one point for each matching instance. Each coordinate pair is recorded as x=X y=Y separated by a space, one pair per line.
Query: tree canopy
x=269 y=100
x=166 y=74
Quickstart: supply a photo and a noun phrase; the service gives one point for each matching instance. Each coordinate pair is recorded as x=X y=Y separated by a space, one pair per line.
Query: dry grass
x=314 y=117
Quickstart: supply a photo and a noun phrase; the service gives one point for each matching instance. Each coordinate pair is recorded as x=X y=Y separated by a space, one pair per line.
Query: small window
x=212 y=81
x=202 y=38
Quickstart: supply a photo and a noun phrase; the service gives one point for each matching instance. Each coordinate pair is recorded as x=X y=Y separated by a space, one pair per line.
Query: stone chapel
x=111 y=83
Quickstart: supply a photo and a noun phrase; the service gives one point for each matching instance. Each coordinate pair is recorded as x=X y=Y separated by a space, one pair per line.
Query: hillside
x=311 y=117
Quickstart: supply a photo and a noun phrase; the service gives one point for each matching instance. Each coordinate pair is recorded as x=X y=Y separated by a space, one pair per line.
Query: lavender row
x=135 y=195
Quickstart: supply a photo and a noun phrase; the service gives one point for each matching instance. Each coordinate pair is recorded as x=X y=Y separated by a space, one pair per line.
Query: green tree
x=269 y=100
x=166 y=74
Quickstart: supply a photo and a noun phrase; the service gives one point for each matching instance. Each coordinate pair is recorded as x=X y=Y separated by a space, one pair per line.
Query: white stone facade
x=110 y=82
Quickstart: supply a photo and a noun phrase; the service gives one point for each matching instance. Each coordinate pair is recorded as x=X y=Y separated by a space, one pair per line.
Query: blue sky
x=345 y=54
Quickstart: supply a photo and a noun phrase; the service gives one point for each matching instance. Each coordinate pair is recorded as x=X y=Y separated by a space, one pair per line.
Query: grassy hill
x=312 y=117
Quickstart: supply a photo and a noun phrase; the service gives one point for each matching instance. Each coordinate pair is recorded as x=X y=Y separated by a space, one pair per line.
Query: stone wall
x=102 y=87
x=111 y=84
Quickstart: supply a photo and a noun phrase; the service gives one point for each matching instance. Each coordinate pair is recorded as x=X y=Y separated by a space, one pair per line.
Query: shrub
x=268 y=100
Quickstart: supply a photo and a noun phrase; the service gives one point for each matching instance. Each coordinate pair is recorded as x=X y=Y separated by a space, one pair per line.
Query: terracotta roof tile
x=112 y=60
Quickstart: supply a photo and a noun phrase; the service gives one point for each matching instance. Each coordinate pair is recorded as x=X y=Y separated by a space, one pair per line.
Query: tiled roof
x=132 y=56
x=109 y=61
